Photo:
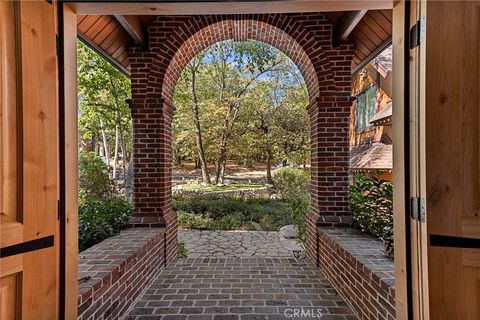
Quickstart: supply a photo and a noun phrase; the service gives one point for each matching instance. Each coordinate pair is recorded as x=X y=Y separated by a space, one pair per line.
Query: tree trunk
x=269 y=166
x=115 y=154
x=105 y=145
x=198 y=130
x=221 y=160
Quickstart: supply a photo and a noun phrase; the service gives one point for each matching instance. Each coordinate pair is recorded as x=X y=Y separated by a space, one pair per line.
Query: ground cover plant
x=230 y=213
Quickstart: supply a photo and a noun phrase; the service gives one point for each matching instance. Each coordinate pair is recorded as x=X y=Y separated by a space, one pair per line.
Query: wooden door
x=28 y=161
x=416 y=163
x=451 y=107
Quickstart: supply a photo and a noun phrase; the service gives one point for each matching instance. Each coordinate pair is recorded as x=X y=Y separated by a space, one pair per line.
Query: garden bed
x=212 y=212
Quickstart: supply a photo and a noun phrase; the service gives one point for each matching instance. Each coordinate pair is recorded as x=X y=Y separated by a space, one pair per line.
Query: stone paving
x=237 y=244
x=240 y=289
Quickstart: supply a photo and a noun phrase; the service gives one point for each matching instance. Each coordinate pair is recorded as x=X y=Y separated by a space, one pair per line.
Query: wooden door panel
x=29 y=158
x=452 y=162
x=9 y=297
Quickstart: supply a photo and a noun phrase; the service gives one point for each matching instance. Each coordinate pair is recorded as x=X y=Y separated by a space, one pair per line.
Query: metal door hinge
x=417 y=209
x=417 y=33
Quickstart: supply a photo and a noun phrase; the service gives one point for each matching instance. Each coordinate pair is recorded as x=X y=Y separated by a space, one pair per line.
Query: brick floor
x=240 y=289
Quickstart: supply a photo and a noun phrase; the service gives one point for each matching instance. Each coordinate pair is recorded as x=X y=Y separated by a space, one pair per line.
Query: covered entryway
x=436 y=165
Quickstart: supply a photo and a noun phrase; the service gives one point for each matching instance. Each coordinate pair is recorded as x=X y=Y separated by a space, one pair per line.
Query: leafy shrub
x=190 y=220
x=293 y=185
x=298 y=210
x=371 y=203
x=227 y=213
x=230 y=222
x=290 y=183
x=93 y=180
x=182 y=251
x=99 y=219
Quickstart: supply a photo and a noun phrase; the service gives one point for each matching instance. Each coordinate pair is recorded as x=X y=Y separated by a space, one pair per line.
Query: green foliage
x=190 y=220
x=371 y=204
x=230 y=213
x=298 y=210
x=249 y=94
x=99 y=219
x=291 y=183
x=93 y=180
x=182 y=251
x=104 y=118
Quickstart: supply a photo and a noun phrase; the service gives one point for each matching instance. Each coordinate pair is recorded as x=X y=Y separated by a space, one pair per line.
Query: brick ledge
x=112 y=273
x=358 y=268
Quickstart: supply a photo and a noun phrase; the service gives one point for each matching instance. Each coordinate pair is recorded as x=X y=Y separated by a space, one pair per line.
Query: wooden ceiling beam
x=179 y=7
x=133 y=26
x=346 y=24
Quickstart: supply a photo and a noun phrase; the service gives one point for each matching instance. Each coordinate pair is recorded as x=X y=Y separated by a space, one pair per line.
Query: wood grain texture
x=399 y=209
x=40 y=157
x=452 y=111
x=71 y=162
x=8 y=114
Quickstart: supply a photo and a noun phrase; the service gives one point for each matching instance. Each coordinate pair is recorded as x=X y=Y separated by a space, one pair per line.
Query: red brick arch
x=237 y=30
x=304 y=38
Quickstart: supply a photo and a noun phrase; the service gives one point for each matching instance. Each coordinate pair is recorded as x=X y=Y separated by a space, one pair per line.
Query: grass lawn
x=228 y=187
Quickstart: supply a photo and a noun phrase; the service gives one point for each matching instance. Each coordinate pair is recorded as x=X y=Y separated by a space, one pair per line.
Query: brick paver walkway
x=238 y=244
x=240 y=289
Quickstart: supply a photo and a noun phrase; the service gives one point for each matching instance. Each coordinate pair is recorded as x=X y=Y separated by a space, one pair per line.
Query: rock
x=289 y=231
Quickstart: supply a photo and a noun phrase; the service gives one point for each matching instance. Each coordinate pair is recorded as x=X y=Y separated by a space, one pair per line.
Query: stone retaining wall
x=113 y=273
x=359 y=270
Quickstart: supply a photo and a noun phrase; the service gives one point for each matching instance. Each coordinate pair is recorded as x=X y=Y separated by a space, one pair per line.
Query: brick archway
x=174 y=41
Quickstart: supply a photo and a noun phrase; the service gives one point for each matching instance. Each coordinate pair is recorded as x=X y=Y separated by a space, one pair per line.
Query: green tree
x=103 y=112
x=226 y=89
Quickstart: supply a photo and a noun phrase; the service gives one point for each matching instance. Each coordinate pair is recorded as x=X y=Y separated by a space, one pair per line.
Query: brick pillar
x=152 y=170
x=329 y=121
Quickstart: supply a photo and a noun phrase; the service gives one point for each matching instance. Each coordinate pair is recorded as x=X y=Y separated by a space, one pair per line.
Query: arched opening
x=240 y=112
x=326 y=70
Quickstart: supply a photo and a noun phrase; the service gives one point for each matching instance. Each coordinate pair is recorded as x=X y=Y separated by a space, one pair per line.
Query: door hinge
x=417 y=33
x=417 y=209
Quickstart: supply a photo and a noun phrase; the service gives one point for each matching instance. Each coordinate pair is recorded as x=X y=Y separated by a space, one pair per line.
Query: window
x=366 y=107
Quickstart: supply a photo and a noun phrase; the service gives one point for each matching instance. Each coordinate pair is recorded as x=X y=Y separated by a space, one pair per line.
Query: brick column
x=329 y=121
x=152 y=170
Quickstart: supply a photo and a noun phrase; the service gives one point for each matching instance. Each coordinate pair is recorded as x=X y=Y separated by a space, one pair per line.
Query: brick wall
x=174 y=40
x=358 y=269
x=113 y=273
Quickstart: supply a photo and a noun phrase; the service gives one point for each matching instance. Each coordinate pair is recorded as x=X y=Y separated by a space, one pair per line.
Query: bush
x=93 y=180
x=293 y=185
x=190 y=220
x=298 y=210
x=371 y=203
x=290 y=183
x=229 y=213
x=99 y=219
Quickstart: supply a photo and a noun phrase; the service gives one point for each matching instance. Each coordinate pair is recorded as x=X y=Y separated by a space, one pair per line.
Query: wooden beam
x=133 y=26
x=346 y=24
x=173 y=7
